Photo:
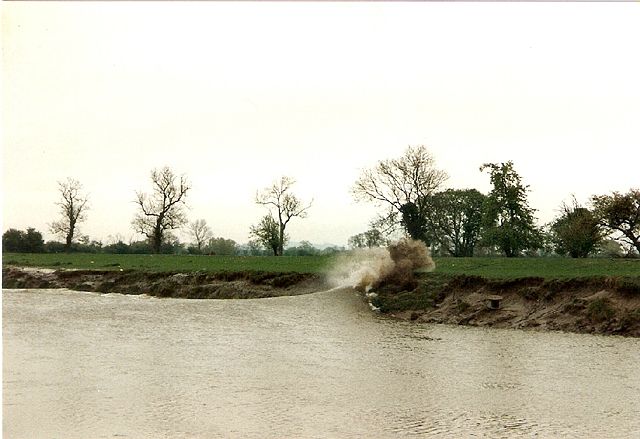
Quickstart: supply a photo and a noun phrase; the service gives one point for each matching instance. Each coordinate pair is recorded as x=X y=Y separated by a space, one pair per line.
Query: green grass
x=183 y=263
x=501 y=268
x=552 y=267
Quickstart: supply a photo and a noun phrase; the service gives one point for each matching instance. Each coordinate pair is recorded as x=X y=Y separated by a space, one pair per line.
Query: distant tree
x=200 y=233
x=222 y=246
x=453 y=220
x=163 y=210
x=371 y=238
x=33 y=241
x=401 y=185
x=508 y=221
x=267 y=233
x=73 y=206
x=20 y=242
x=86 y=245
x=286 y=205
x=576 y=231
x=171 y=245
x=304 y=248
x=117 y=248
x=610 y=248
x=54 y=247
x=13 y=241
x=620 y=213
x=139 y=247
x=331 y=250
x=357 y=241
x=255 y=248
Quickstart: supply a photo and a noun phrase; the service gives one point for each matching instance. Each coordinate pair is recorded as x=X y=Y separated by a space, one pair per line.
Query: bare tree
x=73 y=207
x=401 y=185
x=162 y=210
x=200 y=233
x=286 y=204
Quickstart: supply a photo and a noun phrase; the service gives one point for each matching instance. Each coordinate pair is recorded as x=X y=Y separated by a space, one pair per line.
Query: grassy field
x=508 y=268
x=487 y=267
x=184 y=263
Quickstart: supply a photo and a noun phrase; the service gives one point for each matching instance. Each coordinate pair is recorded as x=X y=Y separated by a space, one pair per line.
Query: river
x=85 y=365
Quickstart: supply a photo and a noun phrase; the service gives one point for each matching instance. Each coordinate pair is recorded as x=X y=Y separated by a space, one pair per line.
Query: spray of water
x=364 y=269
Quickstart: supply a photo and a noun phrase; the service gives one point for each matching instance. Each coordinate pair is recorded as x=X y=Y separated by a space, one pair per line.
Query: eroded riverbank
x=195 y=285
x=596 y=305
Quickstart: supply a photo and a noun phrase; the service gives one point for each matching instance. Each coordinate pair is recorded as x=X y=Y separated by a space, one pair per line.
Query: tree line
x=465 y=222
x=161 y=211
x=409 y=190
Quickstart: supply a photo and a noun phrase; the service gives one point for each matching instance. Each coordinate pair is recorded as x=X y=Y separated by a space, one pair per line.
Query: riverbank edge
x=181 y=285
x=594 y=305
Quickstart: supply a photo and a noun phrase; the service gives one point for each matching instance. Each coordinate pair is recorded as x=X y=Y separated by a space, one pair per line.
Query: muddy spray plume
x=364 y=269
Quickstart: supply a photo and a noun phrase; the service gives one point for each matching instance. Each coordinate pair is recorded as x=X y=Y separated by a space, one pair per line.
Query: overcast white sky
x=235 y=95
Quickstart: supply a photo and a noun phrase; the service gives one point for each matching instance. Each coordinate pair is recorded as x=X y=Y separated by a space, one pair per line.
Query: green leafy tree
x=221 y=246
x=20 y=242
x=374 y=238
x=400 y=186
x=13 y=241
x=163 y=210
x=255 y=248
x=620 y=214
x=305 y=248
x=357 y=241
x=287 y=206
x=33 y=241
x=414 y=220
x=267 y=233
x=371 y=238
x=508 y=221
x=453 y=220
x=576 y=231
x=610 y=248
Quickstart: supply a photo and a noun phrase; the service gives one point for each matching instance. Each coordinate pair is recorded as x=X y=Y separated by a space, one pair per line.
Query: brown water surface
x=84 y=365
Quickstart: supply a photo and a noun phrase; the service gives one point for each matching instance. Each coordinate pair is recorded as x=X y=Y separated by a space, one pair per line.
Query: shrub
x=600 y=310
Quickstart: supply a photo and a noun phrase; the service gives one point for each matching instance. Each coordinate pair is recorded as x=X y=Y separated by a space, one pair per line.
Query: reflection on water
x=79 y=365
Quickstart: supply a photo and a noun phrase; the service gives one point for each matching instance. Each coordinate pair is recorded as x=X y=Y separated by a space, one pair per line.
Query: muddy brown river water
x=84 y=365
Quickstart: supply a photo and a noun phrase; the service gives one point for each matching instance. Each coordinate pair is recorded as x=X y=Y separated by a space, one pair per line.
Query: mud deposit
x=222 y=285
x=599 y=305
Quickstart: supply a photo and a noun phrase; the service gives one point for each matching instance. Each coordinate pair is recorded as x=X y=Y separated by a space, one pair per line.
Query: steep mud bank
x=602 y=305
x=197 y=285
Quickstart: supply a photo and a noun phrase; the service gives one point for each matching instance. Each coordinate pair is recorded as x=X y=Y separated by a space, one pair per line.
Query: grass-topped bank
x=578 y=295
x=592 y=304
x=496 y=267
x=183 y=285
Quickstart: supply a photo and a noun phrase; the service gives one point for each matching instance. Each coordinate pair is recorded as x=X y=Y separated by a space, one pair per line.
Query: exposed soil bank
x=196 y=285
x=601 y=305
